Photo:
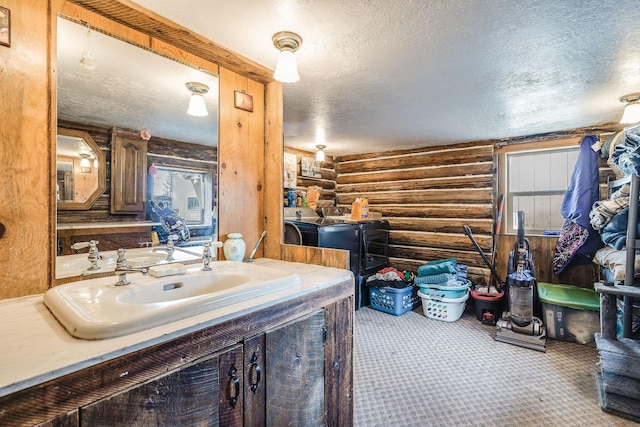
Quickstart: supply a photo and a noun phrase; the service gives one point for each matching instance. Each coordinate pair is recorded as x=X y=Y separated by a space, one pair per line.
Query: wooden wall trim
x=273 y=170
x=120 y=31
x=25 y=152
x=539 y=145
x=129 y=14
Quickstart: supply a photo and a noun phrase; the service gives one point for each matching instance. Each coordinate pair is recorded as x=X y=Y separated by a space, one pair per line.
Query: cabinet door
x=64 y=420
x=184 y=397
x=128 y=174
x=254 y=383
x=230 y=391
x=295 y=373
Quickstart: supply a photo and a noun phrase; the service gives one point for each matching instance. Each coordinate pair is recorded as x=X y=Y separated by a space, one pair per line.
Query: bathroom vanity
x=278 y=359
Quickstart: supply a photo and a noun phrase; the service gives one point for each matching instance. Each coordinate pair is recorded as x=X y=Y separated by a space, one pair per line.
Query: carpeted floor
x=414 y=371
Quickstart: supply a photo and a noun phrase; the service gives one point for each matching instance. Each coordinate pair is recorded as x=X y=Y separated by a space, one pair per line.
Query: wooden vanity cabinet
x=273 y=379
x=291 y=364
x=187 y=396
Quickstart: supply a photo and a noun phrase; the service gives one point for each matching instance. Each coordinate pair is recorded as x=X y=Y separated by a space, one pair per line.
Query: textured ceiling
x=387 y=74
x=130 y=88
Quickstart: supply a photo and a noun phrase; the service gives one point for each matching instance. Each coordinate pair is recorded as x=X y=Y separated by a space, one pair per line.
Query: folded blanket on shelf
x=627 y=155
x=615 y=261
x=614 y=233
x=603 y=210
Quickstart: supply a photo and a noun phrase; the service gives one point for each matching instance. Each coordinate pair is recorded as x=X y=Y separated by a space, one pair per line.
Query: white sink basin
x=97 y=309
x=197 y=284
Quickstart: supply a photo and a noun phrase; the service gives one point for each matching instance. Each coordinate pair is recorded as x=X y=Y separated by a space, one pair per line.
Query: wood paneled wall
x=241 y=169
x=427 y=195
x=26 y=232
x=326 y=181
x=542 y=250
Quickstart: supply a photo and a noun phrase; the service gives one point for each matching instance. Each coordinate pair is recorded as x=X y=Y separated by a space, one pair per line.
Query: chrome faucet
x=170 y=248
x=94 y=254
x=122 y=268
x=207 y=255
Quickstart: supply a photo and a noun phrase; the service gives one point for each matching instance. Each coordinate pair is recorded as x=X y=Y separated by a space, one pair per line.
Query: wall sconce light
x=320 y=153
x=632 y=109
x=197 y=106
x=286 y=68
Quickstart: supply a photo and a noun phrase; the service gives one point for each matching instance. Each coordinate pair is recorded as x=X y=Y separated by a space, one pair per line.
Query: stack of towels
x=445 y=272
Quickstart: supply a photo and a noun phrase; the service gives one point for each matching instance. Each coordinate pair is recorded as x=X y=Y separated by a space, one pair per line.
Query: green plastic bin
x=569 y=296
x=570 y=313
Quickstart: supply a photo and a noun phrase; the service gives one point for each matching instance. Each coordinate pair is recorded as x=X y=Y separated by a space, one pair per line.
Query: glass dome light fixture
x=87 y=61
x=286 y=68
x=84 y=162
x=631 y=112
x=197 y=107
x=320 y=153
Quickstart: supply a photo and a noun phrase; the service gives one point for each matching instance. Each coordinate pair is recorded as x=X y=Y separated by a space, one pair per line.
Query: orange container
x=360 y=209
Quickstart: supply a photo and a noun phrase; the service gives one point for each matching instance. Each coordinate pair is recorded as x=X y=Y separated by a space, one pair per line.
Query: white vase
x=234 y=248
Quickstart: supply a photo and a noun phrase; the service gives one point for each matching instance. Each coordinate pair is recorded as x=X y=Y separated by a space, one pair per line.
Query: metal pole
x=631 y=254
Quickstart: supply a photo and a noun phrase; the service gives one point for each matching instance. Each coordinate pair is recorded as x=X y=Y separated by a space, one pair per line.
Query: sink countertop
x=114 y=224
x=39 y=349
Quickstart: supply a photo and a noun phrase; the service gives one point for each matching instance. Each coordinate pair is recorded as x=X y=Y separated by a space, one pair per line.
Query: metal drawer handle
x=236 y=385
x=254 y=370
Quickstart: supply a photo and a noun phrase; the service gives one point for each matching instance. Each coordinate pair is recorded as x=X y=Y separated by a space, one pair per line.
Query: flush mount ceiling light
x=84 y=162
x=286 y=68
x=87 y=61
x=632 y=109
x=197 y=106
x=320 y=153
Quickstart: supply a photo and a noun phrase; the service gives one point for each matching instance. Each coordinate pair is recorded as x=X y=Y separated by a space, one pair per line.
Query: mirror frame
x=102 y=176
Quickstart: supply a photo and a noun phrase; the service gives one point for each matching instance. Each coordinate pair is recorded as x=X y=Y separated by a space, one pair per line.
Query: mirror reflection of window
x=189 y=193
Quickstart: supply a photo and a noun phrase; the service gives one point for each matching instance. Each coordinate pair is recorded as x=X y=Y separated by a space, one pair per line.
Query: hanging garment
x=578 y=241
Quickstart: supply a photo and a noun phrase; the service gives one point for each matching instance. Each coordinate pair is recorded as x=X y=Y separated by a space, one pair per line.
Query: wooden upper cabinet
x=128 y=173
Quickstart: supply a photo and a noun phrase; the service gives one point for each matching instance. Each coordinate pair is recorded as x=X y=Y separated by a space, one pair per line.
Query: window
x=188 y=192
x=535 y=181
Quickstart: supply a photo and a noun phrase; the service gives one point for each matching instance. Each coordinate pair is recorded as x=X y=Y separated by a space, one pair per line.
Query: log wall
x=427 y=195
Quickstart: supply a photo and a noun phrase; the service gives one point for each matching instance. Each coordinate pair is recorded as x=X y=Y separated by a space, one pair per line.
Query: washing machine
x=314 y=230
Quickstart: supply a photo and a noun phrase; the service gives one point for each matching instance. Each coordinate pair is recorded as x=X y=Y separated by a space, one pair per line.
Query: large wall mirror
x=105 y=83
